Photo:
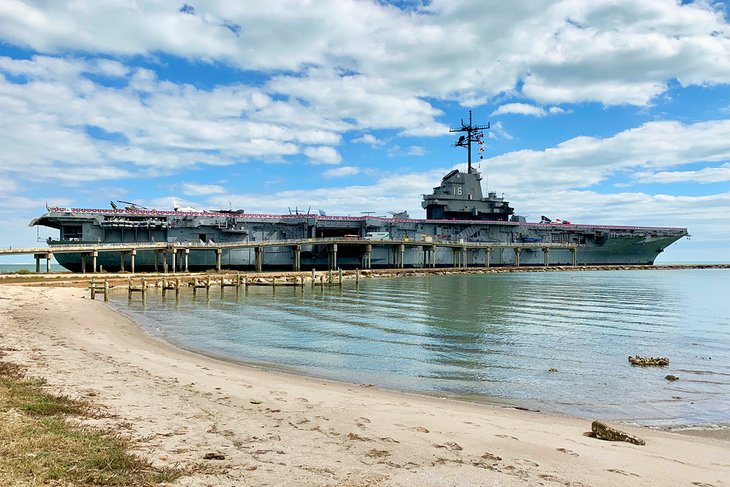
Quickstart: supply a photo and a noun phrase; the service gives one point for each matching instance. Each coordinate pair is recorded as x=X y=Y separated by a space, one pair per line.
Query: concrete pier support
x=218 y=254
x=432 y=259
x=132 y=255
x=187 y=255
x=122 y=255
x=518 y=253
x=259 y=255
x=83 y=263
x=157 y=258
x=546 y=256
x=48 y=256
x=573 y=255
x=173 y=255
x=367 y=256
x=333 y=256
x=487 y=256
x=401 y=252
x=460 y=257
x=297 y=251
x=164 y=262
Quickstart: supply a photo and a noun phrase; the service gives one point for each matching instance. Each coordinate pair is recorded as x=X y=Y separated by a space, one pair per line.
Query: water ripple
x=489 y=337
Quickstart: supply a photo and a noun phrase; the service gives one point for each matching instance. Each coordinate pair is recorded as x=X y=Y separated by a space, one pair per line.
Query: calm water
x=485 y=337
x=12 y=268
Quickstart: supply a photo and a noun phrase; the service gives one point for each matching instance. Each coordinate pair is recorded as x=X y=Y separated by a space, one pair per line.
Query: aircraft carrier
x=456 y=211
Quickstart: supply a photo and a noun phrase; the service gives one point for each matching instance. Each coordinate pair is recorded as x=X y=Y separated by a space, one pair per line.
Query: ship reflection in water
x=486 y=337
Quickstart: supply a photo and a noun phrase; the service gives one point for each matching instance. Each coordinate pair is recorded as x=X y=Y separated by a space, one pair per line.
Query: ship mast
x=473 y=134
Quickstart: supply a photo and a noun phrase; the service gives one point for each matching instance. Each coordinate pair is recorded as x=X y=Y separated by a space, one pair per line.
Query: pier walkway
x=179 y=252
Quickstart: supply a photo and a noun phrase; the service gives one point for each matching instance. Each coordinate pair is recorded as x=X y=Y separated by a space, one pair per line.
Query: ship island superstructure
x=457 y=212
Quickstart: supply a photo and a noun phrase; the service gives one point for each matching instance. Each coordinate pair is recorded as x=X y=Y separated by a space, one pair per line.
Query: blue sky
x=605 y=112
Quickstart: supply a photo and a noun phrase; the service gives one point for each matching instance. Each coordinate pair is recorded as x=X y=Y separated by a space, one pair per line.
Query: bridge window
x=71 y=232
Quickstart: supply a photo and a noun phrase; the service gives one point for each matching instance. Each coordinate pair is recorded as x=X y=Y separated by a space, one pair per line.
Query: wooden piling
x=134 y=289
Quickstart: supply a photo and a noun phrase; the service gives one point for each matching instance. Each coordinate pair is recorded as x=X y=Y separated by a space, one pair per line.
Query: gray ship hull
x=637 y=250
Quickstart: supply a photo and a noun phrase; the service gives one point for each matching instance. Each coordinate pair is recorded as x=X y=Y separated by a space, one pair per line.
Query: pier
x=319 y=279
x=173 y=257
x=141 y=284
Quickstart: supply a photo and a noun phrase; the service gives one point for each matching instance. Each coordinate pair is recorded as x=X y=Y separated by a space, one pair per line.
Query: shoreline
x=720 y=431
x=283 y=429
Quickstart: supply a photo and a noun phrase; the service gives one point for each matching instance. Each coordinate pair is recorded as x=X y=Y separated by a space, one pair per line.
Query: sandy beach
x=276 y=429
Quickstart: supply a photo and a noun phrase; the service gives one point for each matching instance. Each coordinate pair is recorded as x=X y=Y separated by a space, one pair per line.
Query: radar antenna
x=473 y=134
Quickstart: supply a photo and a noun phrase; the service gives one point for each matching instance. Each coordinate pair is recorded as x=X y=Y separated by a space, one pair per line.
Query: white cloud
x=322 y=155
x=416 y=150
x=340 y=172
x=368 y=100
x=8 y=186
x=497 y=131
x=611 y=51
x=701 y=176
x=368 y=139
x=392 y=192
x=108 y=67
x=58 y=124
x=521 y=109
x=585 y=161
x=194 y=189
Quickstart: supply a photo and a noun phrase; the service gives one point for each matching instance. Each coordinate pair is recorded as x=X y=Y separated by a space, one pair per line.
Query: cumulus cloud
x=322 y=155
x=340 y=172
x=392 y=192
x=526 y=109
x=368 y=139
x=701 y=176
x=614 y=52
x=194 y=189
x=521 y=109
x=58 y=123
x=416 y=150
x=584 y=161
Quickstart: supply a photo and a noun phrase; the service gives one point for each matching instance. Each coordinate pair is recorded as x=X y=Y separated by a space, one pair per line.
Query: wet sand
x=279 y=429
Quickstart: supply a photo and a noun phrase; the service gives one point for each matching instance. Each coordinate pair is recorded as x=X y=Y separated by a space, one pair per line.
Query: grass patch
x=40 y=446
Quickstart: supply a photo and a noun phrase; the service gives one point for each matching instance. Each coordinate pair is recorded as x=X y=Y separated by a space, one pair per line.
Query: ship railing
x=107 y=245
